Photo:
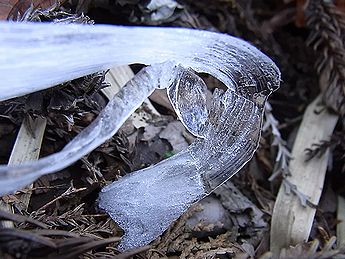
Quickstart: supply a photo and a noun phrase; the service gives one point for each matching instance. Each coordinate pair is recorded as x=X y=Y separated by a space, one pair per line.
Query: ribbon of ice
x=37 y=56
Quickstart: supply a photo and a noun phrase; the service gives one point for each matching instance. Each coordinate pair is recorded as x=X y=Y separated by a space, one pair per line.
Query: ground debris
x=63 y=217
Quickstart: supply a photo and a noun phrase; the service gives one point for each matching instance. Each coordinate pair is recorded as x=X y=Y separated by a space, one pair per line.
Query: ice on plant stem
x=34 y=57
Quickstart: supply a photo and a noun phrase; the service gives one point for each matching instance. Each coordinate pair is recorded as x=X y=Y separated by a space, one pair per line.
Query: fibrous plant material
x=228 y=126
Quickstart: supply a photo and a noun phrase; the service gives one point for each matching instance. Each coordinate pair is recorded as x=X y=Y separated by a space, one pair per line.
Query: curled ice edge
x=36 y=56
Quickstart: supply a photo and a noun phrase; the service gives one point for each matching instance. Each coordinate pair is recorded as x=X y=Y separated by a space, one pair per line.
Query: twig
x=68 y=192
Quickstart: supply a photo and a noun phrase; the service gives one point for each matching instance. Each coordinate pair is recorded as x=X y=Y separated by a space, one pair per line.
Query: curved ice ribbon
x=37 y=56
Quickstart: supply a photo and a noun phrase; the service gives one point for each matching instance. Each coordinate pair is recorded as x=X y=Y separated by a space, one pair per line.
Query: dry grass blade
x=291 y=224
x=27 y=147
x=327 y=23
x=291 y=221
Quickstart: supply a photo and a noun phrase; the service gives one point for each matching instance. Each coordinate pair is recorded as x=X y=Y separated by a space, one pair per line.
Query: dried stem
x=283 y=157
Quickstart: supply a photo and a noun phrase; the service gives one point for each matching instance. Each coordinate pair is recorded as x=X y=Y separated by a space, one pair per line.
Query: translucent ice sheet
x=145 y=202
x=38 y=56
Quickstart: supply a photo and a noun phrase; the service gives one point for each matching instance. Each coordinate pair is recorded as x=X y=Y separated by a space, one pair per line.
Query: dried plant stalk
x=26 y=148
x=291 y=221
x=327 y=23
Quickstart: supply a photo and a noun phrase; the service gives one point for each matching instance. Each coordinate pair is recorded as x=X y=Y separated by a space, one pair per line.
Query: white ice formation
x=34 y=57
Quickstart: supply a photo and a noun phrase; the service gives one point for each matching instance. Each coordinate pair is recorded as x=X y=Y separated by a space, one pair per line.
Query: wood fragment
x=291 y=222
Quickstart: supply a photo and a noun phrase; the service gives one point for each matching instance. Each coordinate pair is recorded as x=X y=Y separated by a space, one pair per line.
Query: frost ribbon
x=34 y=57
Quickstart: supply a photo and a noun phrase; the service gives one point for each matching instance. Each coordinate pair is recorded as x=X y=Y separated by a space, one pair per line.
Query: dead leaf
x=174 y=133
